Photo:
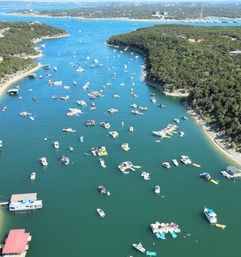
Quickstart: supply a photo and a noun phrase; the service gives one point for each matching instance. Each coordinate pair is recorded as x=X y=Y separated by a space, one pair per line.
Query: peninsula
x=17 y=49
x=201 y=61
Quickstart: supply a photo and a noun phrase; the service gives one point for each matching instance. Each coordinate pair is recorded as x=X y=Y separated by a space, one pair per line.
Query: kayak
x=221 y=226
x=214 y=181
x=137 y=167
x=196 y=165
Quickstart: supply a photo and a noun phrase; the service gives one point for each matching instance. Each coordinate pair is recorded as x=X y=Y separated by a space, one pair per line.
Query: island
x=202 y=63
x=144 y=11
x=17 y=48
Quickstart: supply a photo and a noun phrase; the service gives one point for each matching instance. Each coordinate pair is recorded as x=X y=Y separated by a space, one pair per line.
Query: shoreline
x=213 y=137
x=195 y=20
x=19 y=75
x=230 y=153
x=16 y=77
x=150 y=83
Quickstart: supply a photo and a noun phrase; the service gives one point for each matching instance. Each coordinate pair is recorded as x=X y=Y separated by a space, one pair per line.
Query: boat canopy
x=210 y=211
x=233 y=170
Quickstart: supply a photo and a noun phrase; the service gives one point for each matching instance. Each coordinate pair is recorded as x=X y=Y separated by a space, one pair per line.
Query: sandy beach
x=16 y=77
x=214 y=137
x=211 y=134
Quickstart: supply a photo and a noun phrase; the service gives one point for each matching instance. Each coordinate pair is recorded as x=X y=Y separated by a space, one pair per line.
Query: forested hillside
x=197 y=60
x=16 y=44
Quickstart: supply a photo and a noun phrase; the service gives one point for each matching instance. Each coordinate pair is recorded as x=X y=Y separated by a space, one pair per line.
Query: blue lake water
x=68 y=224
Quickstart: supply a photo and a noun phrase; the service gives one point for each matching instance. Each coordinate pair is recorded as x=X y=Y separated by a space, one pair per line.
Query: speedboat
x=210 y=215
x=139 y=247
x=32 y=176
x=143 y=108
x=71 y=148
x=90 y=123
x=68 y=130
x=125 y=147
x=65 y=160
x=175 y=162
x=56 y=144
x=101 y=213
x=185 y=160
x=157 y=189
x=102 y=190
x=166 y=165
x=131 y=129
x=43 y=161
x=134 y=106
x=105 y=124
x=153 y=99
x=1 y=143
x=112 y=110
x=114 y=134
x=205 y=175
x=181 y=133
x=81 y=103
x=102 y=163
x=184 y=117
x=176 y=120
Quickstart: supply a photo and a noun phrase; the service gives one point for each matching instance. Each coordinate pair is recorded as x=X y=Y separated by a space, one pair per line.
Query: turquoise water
x=68 y=224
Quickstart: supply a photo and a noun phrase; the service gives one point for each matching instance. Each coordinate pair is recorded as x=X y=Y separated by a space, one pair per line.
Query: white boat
x=68 y=130
x=139 y=247
x=81 y=103
x=33 y=176
x=131 y=129
x=101 y=213
x=112 y=110
x=175 y=162
x=166 y=165
x=176 y=120
x=210 y=215
x=114 y=134
x=43 y=161
x=1 y=143
x=157 y=189
x=185 y=160
x=181 y=133
x=56 y=144
x=71 y=148
x=134 y=106
x=153 y=99
x=55 y=68
x=80 y=70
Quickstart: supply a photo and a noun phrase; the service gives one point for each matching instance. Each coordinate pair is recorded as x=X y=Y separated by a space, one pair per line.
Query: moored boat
x=125 y=147
x=205 y=175
x=131 y=129
x=33 y=176
x=139 y=247
x=56 y=144
x=114 y=134
x=43 y=161
x=175 y=162
x=157 y=189
x=210 y=215
x=102 y=163
x=101 y=212
x=166 y=165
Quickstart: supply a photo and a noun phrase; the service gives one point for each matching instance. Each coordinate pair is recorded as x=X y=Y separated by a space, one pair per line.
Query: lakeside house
x=16 y=243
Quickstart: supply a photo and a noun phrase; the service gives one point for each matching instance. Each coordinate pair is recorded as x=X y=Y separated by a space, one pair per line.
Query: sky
x=141 y=1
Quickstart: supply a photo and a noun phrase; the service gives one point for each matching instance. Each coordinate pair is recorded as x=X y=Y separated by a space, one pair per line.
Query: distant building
x=235 y=52
x=16 y=244
x=159 y=14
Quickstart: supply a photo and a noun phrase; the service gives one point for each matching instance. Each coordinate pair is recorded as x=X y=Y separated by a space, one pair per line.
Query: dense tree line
x=144 y=11
x=197 y=60
x=16 y=44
